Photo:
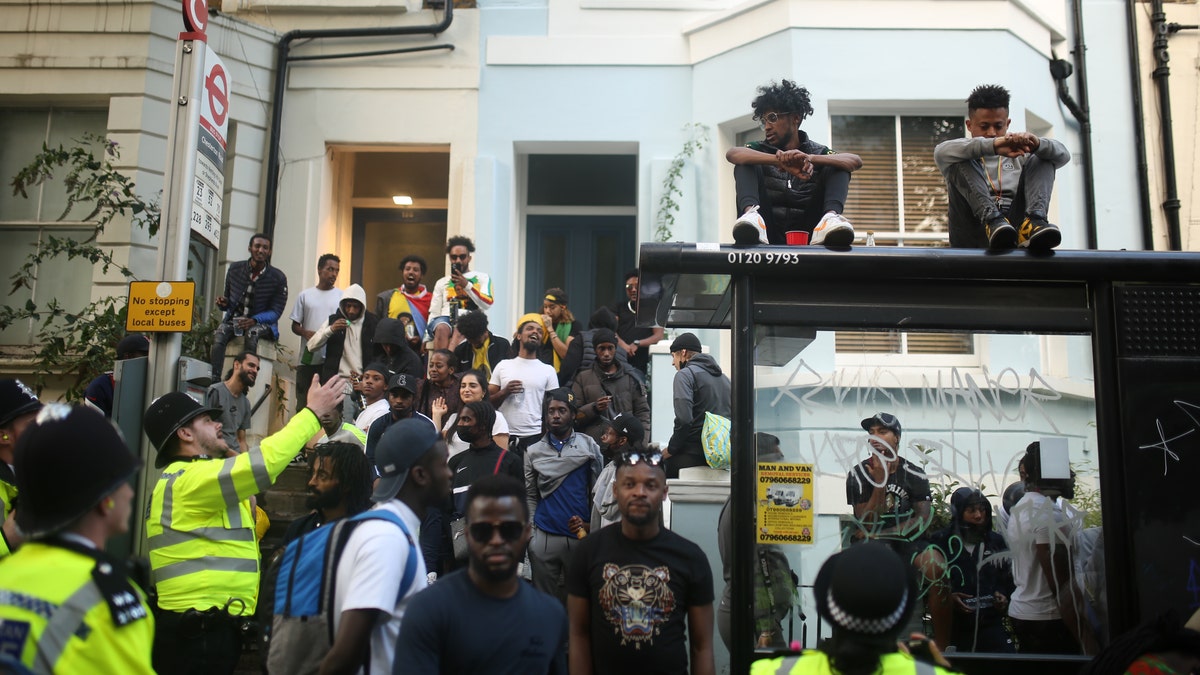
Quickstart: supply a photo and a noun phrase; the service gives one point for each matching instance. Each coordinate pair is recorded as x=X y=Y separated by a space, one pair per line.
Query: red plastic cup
x=797 y=238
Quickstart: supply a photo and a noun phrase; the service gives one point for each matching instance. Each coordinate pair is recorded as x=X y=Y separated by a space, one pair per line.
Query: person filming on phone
x=462 y=290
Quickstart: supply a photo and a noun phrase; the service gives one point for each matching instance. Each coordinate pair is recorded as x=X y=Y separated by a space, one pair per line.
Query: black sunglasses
x=636 y=457
x=510 y=530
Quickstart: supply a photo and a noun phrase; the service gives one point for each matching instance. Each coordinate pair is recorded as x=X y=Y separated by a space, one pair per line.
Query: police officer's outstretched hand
x=325 y=398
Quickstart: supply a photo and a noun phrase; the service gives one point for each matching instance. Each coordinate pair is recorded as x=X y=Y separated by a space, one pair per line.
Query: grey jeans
x=549 y=556
x=972 y=203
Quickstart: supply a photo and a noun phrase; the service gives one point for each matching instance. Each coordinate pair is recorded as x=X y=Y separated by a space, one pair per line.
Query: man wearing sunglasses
x=525 y=630
x=787 y=181
x=462 y=290
x=640 y=597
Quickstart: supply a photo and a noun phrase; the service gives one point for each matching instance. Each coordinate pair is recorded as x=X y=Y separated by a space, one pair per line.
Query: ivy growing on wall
x=668 y=204
x=79 y=342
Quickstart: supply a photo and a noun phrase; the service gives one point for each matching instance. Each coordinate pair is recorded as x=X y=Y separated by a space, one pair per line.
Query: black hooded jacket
x=971 y=552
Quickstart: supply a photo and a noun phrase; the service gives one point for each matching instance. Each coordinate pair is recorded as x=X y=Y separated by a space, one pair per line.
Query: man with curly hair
x=787 y=181
x=997 y=178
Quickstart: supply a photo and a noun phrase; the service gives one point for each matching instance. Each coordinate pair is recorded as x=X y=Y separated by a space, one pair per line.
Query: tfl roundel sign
x=195 y=15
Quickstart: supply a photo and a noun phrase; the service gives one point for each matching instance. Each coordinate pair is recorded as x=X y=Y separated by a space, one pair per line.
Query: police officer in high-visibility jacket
x=66 y=606
x=200 y=526
x=18 y=406
x=867 y=594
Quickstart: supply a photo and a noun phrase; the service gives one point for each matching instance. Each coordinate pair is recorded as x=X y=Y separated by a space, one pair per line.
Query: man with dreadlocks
x=339 y=486
x=787 y=181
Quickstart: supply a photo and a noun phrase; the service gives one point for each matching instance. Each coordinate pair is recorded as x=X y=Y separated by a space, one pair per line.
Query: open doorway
x=399 y=208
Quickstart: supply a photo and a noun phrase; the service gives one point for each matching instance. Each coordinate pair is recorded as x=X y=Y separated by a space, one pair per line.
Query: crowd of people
x=467 y=459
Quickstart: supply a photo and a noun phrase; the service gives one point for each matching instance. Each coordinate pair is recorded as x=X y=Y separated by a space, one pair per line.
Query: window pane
x=67 y=281
x=15 y=244
x=67 y=128
x=958 y=428
x=554 y=264
x=925 y=203
x=582 y=180
x=873 y=203
x=21 y=136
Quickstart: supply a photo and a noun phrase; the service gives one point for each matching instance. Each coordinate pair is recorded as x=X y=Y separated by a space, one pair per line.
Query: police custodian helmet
x=66 y=461
x=166 y=415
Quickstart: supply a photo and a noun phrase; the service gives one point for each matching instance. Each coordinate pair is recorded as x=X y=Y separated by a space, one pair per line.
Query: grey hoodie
x=699 y=387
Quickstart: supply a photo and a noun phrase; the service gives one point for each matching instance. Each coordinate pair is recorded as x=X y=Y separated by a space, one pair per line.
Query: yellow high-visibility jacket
x=200 y=527
x=62 y=611
x=812 y=662
x=8 y=495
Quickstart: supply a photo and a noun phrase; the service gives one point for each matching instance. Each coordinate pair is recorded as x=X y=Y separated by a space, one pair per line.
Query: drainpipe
x=282 y=58
x=1139 y=124
x=1060 y=70
x=1161 y=75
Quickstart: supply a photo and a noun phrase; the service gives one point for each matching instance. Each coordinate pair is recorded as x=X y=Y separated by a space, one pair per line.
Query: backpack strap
x=496 y=469
x=337 y=543
x=410 y=564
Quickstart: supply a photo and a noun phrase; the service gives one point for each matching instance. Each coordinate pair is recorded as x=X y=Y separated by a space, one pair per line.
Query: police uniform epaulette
x=124 y=603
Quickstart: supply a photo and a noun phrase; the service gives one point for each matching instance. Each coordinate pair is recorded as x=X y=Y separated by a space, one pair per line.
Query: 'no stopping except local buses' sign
x=160 y=306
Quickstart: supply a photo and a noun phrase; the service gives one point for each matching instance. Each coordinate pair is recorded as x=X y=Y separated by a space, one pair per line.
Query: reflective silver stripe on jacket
x=208 y=563
x=65 y=623
x=229 y=494
x=258 y=467
x=170 y=536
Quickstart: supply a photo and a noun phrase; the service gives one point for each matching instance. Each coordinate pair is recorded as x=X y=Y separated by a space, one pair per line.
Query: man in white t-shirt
x=413 y=475
x=313 y=305
x=518 y=385
x=1046 y=609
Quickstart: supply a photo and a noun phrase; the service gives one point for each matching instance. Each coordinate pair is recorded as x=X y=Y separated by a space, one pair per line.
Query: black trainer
x=1001 y=234
x=1038 y=235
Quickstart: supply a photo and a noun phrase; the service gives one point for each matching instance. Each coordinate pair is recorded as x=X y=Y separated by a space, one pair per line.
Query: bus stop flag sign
x=207 y=192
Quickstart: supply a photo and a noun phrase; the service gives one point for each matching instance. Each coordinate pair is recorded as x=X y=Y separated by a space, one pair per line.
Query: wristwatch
x=637 y=343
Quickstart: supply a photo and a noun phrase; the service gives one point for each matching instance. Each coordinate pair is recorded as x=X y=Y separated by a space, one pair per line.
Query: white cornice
x=693 y=40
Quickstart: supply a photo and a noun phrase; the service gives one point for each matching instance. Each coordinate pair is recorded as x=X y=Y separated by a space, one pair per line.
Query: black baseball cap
x=403 y=381
x=882 y=419
x=402 y=445
x=625 y=424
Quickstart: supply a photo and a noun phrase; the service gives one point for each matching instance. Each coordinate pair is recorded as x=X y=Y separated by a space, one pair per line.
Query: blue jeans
x=249 y=343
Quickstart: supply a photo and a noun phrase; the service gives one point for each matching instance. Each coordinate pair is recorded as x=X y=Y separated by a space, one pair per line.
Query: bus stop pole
x=743 y=473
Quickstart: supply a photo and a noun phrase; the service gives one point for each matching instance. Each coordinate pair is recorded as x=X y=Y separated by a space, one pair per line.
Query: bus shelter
x=1094 y=354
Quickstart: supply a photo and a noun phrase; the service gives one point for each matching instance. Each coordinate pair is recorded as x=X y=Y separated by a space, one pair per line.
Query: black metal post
x=743 y=469
x=1139 y=123
x=1162 y=77
x=1122 y=600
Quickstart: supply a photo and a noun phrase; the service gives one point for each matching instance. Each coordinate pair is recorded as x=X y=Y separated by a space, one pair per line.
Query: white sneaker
x=833 y=230
x=750 y=229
